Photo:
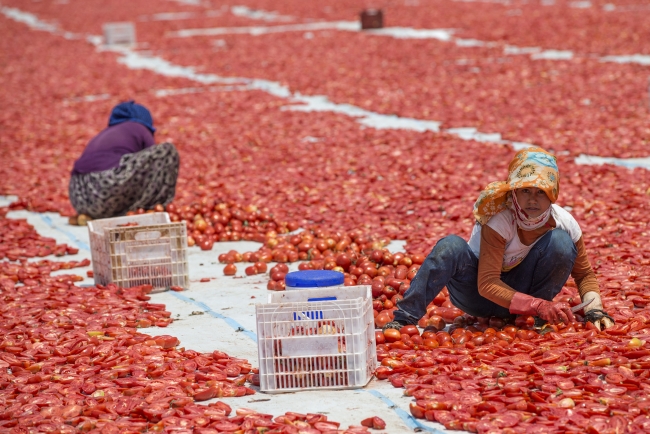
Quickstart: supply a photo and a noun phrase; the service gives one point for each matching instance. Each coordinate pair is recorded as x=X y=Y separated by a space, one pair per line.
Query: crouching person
x=122 y=169
x=521 y=252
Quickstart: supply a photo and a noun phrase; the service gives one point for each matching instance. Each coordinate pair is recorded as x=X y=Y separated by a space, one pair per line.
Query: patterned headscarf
x=132 y=112
x=531 y=167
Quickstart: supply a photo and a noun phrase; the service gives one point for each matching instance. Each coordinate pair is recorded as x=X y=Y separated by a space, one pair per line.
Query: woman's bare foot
x=79 y=220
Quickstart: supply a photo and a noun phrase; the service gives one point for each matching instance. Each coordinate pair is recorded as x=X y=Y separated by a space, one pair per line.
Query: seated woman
x=122 y=169
x=521 y=252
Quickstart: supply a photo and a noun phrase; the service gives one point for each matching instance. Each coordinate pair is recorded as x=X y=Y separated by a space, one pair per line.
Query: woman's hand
x=554 y=313
x=598 y=315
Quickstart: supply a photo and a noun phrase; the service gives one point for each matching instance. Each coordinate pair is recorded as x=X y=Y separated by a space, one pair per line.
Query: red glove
x=553 y=313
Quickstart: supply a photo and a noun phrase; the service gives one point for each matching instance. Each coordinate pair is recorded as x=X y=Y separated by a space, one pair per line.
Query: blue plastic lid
x=313 y=278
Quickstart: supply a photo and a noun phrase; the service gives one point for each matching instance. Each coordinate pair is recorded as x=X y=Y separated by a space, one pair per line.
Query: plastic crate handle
x=322 y=299
x=311 y=315
x=314 y=314
x=147 y=235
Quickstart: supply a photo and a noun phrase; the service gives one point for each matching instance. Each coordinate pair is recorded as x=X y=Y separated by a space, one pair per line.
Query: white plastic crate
x=316 y=339
x=119 y=33
x=153 y=252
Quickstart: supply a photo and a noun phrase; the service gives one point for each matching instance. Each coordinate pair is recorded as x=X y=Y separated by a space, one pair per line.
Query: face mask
x=528 y=223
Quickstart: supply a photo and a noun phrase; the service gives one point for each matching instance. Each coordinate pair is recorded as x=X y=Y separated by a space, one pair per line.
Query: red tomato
x=405 y=261
x=431 y=343
x=389 y=291
x=522 y=334
x=496 y=322
x=399 y=345
x=230 y=270
x=412 y=272
x=392 y=335
x=504 y=336
x=418 y=258
x=439 y=299
x=450 y=313
x=437 y=322
x=283 y=268
x=374 y=423
x=206 y=244
x=277 y=275
x=382 y=319
x=383 y=372
x=478 y=340
x=409 y=330
x=427 y=334
x=343 y=260
x=443 y=337
x=401 y=271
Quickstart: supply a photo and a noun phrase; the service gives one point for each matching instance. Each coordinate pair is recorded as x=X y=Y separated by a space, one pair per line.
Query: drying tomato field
x=323 y=144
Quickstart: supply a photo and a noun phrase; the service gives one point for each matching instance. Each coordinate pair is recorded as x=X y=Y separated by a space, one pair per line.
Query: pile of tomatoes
x=73 y=359
x=209 y=221
x=19 y=240
x=482 y=375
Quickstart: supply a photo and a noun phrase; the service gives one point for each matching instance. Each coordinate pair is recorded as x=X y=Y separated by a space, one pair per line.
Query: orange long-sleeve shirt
x=490 y=261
